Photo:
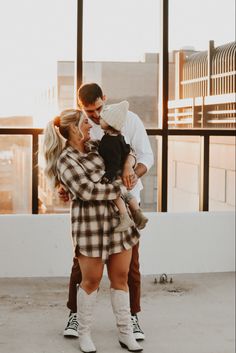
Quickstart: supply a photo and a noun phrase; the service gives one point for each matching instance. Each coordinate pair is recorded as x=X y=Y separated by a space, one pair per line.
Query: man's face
x=93 y=111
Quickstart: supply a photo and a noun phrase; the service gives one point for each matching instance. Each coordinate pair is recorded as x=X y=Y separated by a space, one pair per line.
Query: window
x=38 y=43
x=121 y=51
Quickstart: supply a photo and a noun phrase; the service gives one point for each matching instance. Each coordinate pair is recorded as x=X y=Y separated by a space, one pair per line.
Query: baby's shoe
x=125 y=223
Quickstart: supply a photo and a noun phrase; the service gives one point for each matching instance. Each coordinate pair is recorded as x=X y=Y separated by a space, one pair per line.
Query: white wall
x=40 y=245
x=188 y=243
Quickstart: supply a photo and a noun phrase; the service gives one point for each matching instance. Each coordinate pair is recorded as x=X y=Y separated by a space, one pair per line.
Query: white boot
x=85 y=307
x=121 y=309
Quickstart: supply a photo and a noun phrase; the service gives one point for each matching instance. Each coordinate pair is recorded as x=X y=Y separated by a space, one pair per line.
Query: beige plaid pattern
x=93 y=214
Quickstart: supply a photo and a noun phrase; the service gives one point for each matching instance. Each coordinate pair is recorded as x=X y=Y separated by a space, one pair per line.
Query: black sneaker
x=138 y=333
x=71 y=329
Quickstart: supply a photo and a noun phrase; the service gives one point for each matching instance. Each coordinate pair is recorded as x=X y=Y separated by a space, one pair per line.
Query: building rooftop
x=194 y=314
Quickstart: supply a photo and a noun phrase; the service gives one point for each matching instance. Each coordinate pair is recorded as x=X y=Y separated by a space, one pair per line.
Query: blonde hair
x=56 y=133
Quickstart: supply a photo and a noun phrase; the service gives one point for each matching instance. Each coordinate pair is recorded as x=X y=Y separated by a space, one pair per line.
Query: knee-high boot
x=86 y=303
x=121 y=309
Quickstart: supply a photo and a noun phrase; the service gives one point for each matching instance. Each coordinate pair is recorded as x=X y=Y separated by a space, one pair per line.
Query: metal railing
x=205 y=148
x=203 y=112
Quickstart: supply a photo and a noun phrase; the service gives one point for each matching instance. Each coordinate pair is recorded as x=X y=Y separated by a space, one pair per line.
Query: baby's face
x=103 y=124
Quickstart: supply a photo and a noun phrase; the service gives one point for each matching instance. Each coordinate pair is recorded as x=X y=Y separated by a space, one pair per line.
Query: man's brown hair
x=88 y=93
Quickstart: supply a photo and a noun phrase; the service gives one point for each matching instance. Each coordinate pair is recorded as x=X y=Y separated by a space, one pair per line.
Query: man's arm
x=130 y=176
x=140 y=170
x=141 y=145
x=139 y=141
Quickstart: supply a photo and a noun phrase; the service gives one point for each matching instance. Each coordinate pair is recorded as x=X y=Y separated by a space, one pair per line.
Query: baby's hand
x=129 y=177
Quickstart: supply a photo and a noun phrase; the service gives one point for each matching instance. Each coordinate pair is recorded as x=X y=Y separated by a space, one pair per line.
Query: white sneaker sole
x=70 y=333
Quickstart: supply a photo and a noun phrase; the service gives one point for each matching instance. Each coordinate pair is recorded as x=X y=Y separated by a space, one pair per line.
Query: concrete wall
x=40 y=245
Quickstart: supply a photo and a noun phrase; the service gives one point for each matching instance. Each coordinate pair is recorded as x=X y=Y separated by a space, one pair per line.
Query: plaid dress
x=93 y=213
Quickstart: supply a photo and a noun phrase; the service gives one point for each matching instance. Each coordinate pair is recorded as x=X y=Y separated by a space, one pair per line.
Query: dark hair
x=88 y=93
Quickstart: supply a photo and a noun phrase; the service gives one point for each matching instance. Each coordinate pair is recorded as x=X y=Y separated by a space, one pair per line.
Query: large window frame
x=164 y=131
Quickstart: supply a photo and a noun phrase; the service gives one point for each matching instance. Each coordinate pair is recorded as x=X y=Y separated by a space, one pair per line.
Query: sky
x=126 y=29
x=34 y=35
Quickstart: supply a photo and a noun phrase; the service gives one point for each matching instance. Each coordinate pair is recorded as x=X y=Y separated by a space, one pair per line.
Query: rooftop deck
x=194 y=314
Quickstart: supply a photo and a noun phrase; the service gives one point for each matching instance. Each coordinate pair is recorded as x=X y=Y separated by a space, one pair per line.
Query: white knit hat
x=115 y=114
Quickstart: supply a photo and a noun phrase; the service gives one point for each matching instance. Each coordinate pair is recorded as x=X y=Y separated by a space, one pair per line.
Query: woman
x=79 y=167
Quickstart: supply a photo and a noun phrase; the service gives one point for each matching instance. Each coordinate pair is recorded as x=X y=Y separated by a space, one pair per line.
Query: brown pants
x=134 y=282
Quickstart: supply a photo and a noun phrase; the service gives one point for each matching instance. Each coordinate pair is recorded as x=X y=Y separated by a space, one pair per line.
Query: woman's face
x=85 y=129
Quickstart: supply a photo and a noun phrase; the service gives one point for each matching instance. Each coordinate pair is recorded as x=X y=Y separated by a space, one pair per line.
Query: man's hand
x=63 y=193
x=129 y=177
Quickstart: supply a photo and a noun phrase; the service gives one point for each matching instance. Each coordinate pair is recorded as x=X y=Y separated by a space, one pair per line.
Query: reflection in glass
x=222 y=174
x=183 y=173
x=15 y=174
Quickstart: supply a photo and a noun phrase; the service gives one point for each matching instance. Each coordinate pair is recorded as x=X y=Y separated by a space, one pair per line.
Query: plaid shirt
x=93 y=214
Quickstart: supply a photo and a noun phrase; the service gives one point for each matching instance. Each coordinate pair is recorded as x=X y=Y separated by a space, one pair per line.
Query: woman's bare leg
x=118 y=268
x=92 y=270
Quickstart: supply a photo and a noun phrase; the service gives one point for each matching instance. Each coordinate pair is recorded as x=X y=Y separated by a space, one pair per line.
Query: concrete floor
x=194 y=314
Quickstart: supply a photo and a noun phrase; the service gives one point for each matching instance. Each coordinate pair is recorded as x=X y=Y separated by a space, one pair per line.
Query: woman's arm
x=62 y=193
x=81 y=187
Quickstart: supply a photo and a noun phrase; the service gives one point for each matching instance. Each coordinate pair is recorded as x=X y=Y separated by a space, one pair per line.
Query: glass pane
x=38 y=43
x=15 y=174
x=222 y=174
x=120 y=52
x=149 y=181
x=183 y=173
x=202 y=64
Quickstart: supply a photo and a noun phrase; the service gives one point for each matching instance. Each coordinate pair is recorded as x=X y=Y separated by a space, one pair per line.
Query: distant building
x=204 y=98
x=206 y=83
x=201 y=95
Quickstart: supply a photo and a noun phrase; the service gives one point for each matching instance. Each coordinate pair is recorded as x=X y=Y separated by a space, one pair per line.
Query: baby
x=114 y=151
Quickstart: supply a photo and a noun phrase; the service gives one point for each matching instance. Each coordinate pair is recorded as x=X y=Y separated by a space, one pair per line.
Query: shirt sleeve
x=140 y=143
x=81 y=187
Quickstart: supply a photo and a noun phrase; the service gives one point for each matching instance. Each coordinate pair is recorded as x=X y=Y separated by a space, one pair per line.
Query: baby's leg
x=139 y=219
x=120 y=204
x=132 y=202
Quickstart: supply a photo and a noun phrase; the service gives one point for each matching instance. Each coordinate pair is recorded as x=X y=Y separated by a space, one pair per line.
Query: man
x=91 y=101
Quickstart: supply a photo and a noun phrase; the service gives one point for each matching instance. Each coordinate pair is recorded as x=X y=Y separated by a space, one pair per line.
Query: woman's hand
x=63 y=193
